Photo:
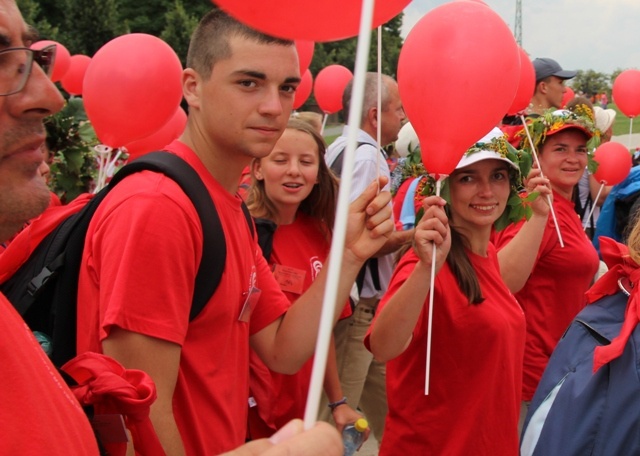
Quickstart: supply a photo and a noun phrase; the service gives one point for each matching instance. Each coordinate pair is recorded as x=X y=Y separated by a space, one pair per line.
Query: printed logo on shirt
x=316 y=266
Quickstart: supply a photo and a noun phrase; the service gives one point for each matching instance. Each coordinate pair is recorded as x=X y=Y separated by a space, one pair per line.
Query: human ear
x=191 y=83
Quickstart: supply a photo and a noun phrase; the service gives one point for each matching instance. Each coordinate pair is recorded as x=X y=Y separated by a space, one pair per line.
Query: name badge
x=290 y=279
x=251 y=299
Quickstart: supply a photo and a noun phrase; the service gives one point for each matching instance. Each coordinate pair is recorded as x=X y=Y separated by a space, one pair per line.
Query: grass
x=621 y=124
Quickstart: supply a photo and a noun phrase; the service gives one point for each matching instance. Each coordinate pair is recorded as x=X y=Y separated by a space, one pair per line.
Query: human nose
x=484 y=188
x=271 y=103
x=39 y=97
x=293 y=169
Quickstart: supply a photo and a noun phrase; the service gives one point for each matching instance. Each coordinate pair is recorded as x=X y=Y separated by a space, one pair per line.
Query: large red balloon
x=61 y=65
x=329 y=87
x=73 y=78
x=167 y=133
x=568 y=95
x=614 y=163
x=305 y=53
x=324 y=20
x=304 y=90
x=132 y=88
x=626 y=92
x=458 y=73
x=526 y=85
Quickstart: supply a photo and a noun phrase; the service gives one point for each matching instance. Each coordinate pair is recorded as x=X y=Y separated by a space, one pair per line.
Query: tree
x=32 y=13
x=344 y=52
x=179 y=27
x=89 y=24
x=591 y=82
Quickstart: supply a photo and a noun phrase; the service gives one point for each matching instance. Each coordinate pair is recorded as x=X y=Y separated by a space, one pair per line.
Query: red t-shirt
x=554 y=292
x=39 y=414
x=138 y=272
x=476 y=369
x=301 y=248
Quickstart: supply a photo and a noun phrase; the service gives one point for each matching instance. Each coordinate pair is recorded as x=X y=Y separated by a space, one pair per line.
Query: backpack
x=371 y=263
x=44 y=289
x=577 y=412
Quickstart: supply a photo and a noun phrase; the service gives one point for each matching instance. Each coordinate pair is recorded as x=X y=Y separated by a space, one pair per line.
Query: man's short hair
x=210 y=40
x=370 y=95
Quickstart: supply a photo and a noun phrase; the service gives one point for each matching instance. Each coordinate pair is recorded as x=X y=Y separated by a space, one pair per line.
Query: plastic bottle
x=353 y=436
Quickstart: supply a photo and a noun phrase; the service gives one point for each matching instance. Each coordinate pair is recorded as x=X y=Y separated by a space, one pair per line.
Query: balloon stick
x=340 y=225
x=593 y=204
x=630 y=132
x=439 y=180
x=535 y=155
x=324 y=123
x=379 y=102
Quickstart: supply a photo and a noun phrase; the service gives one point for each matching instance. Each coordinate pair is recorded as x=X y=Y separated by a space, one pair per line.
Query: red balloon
x=305 y=53
x=614 y=163
x=568 y=95
x=326 y=20
x=132 y=88
x=61 y=64
x=329 y=87
x=626 y=92
x=73 y=78
x=304 y=90
x=458 y=73
x=156 y=141
x=526 y=86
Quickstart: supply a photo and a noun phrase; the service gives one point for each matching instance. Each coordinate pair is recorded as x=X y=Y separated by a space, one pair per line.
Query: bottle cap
x=361 y=425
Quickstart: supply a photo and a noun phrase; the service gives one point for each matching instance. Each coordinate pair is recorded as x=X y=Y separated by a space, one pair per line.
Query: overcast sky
x=600 y=35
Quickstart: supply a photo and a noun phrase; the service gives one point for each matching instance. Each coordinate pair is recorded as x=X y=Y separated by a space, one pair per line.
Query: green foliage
x=70 y=137
x=343 y=52
x=32 y=13
x=591 y=82
x=179 y=27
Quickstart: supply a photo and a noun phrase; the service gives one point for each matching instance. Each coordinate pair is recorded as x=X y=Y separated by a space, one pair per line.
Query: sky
x=600 y=35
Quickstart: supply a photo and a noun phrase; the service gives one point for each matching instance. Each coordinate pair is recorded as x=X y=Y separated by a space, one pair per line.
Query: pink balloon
x=304 y=90
x=164 y=136
x=526 y=85
x=568 y=95
x=132 y=88
x=73 y=78
x=458 y=73
x=614 y=163
x=626 y=92
x=325 y=20
x=61 y=65
x=329 y=87
x=305 y=53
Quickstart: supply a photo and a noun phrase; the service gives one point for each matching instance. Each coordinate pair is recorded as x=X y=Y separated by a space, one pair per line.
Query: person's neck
x=286 y=215
x=477 y=239
x=225 y=166
x=371 y=131
x=538 y=105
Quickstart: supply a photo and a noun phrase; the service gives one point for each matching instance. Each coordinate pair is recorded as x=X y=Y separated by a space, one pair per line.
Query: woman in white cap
x=478 y=329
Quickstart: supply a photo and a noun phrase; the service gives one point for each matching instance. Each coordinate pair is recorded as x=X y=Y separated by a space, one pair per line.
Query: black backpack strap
x=214 y=245
x=266 y=229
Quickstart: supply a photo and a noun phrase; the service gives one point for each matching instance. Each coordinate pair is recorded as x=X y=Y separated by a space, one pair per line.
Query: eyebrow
x=262 y=76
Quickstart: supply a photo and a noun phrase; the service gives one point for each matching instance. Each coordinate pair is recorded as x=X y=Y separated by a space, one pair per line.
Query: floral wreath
x=553 y=120
x=518 y=203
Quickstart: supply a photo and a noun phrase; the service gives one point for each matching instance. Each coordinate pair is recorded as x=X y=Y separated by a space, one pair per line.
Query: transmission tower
x=518 y=26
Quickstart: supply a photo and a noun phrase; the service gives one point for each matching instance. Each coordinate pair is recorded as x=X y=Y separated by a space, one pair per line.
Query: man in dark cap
x=550 y=88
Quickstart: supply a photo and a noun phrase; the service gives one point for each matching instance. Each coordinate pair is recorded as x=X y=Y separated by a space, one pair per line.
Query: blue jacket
x=577 y=412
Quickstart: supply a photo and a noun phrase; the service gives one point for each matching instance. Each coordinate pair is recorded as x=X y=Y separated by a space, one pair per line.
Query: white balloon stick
x=340 y=225
x=535 y=155
x=379 y=101
x=324 y=123
x=593 y=203
x=630 y=132
x=439 y=180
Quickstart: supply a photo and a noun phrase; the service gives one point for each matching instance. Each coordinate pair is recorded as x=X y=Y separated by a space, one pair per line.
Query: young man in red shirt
x=145 y=243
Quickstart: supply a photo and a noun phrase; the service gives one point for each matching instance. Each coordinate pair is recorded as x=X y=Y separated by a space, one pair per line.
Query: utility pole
x=518 y=26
